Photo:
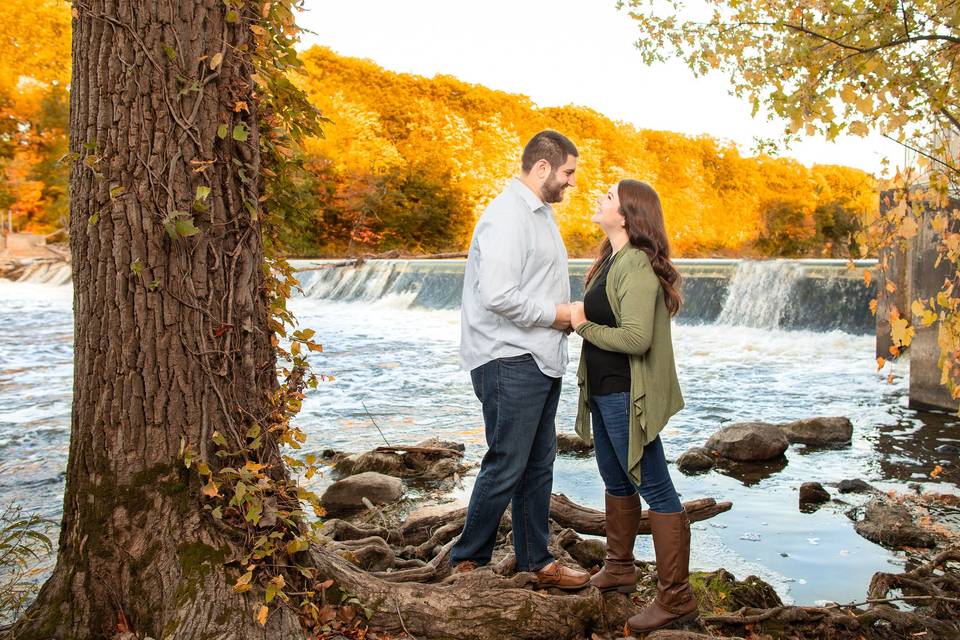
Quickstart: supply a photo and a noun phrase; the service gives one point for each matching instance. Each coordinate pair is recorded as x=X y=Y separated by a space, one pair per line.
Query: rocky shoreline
x=401 y=539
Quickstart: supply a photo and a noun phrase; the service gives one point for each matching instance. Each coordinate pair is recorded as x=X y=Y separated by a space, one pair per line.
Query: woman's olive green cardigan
x=643 y=333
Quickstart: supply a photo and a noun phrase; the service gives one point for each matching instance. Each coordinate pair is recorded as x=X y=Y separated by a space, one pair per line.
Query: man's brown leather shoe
x=465 y=567
x=559 y=576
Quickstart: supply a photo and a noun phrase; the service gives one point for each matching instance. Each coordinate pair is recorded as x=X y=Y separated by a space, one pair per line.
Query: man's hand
x=577 y=315
x=562 y=322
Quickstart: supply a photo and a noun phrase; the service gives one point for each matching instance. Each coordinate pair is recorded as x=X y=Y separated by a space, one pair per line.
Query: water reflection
x=751 y=473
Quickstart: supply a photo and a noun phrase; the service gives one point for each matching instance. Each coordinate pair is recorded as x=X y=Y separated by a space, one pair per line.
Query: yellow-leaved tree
x=845 y=66
x=34 y=79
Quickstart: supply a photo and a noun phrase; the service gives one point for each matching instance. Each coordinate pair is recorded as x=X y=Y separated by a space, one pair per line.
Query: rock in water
x=853 y=486
x=813 y=493
x=892 y=526
x=749 y=442
x=818 y=432
x=695 y=459
x=572 y=443
x=387 y=463
x=437 y=443
x=347 y=495
x=722 y=588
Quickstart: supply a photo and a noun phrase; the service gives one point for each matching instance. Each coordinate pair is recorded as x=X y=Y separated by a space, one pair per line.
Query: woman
x=628 y=382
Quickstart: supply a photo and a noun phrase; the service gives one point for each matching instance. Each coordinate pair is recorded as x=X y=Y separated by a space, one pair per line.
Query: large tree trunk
x=171 y=329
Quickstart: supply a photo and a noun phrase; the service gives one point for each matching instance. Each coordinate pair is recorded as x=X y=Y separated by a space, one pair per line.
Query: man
x=514 y=320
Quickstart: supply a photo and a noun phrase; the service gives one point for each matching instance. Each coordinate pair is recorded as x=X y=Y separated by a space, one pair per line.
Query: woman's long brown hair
x=640 y=207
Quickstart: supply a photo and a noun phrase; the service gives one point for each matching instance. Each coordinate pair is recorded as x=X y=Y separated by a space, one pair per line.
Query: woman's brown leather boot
x=622 y=521
x=675 y=602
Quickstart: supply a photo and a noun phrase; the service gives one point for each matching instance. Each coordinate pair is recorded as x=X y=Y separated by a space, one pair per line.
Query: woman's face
x=608 y=214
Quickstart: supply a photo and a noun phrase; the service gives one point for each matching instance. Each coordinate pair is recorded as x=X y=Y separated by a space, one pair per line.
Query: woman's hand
x=577 y=316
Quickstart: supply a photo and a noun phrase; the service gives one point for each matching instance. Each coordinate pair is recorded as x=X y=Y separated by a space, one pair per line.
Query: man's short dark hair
x=550 y=146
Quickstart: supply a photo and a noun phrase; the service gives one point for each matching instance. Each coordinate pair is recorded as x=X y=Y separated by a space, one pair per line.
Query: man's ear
x=541 y=169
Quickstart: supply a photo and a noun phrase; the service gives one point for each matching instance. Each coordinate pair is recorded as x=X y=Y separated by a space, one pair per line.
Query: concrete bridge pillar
x=916 y=274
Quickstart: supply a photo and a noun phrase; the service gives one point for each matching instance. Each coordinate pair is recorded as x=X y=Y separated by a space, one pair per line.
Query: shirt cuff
x=548 y=314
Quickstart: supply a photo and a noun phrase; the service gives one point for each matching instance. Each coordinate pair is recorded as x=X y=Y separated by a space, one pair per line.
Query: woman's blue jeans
x=611 y=431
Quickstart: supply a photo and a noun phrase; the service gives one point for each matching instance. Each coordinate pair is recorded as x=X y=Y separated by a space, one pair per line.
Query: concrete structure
x=25 y=246
x=916 y=274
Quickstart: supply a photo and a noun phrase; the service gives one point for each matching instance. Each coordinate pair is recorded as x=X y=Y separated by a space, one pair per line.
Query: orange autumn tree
x=443 y=148
x=34 y=76
x=409 y=162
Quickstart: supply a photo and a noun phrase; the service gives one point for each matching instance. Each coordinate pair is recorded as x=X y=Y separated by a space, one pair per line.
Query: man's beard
x=552 y=189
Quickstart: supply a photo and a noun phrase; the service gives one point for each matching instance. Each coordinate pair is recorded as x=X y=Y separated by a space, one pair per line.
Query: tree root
x=479 y=605
x=932 y=589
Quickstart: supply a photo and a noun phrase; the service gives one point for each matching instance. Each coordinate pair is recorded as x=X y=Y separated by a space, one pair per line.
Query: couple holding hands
x=516 y=316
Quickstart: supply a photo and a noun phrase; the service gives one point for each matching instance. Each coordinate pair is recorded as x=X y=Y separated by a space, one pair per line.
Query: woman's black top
x=607 y=371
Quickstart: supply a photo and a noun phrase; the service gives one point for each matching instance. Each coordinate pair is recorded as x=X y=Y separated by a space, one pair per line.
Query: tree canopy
x=409 y=162
x=829 y=66
x=405 y=150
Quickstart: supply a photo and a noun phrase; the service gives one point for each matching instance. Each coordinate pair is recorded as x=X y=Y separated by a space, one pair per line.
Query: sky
x=561 y=52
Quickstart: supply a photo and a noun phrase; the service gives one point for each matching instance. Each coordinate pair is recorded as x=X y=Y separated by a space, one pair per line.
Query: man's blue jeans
x=611 y=430
x=519 y=407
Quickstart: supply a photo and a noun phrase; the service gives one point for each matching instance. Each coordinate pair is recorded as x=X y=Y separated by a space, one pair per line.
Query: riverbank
x=404 y=535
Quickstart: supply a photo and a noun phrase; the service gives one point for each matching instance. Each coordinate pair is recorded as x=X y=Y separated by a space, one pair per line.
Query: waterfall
x=812 y=295
x=369 y=282
x=50 y=272
x=760 y=294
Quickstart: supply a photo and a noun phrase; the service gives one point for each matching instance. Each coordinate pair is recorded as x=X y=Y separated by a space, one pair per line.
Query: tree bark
x=171 y=334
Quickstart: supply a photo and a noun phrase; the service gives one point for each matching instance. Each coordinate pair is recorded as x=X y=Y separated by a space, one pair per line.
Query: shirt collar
x=528 y=196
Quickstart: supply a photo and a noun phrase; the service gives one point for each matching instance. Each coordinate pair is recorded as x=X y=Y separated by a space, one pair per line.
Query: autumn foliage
x=34 y=76
x=408 y=163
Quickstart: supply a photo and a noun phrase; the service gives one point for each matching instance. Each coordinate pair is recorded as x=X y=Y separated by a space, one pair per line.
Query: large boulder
x=347 y=495
x=695 y=460
x=819 y=432
x=749 y=442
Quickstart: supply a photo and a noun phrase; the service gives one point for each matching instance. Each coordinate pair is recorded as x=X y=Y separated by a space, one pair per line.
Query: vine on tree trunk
x=247 y=488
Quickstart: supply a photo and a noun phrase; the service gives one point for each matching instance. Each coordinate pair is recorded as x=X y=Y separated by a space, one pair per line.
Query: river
x=390 y=336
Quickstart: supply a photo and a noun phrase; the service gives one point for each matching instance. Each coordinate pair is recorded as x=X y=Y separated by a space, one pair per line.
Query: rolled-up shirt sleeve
x=501 y=244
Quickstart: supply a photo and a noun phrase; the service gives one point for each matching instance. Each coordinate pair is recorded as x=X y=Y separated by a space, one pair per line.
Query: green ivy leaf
x=222 y=131
x=136 y=267
x=254 y=511
x=240 y=132
x=185 y=227
x=202 y=192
